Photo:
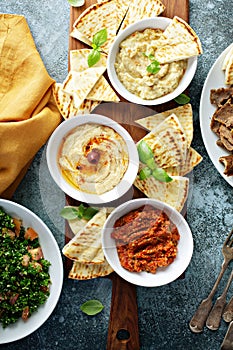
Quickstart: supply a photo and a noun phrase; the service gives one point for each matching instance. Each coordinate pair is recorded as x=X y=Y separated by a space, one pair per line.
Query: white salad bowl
x=163 y=275
x=156 y=22
x=51 y=252
x=53 y=148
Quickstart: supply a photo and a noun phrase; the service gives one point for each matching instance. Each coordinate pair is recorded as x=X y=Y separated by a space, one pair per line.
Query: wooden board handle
x=123 y=323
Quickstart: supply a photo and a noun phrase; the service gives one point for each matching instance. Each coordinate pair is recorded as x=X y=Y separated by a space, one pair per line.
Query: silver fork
x=214 y=318
x=199 y=318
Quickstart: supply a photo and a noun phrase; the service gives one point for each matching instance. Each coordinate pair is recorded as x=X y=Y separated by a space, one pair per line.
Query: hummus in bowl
x=92 y=159
x=129 y=58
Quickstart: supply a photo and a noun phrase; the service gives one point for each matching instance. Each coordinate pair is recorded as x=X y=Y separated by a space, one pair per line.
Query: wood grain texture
x=123 y=332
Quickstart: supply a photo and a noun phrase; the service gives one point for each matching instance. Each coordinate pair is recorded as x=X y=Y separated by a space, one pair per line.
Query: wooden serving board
x=123 y=332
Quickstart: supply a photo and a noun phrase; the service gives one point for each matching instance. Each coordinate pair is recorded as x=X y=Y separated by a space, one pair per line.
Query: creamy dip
x=132 y=61
x=93 y=158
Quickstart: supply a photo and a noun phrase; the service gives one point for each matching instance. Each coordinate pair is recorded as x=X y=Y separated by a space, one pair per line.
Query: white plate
x=51 y=251
x=163 y=275
x=215 y=79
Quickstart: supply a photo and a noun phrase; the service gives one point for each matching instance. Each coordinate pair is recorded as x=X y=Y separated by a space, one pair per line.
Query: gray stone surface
x=164 y=312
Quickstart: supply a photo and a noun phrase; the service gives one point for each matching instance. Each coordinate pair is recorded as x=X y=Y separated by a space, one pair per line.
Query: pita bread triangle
x=78 y=60
x=184 y=114
x=193 y=158
x=79 y=84
x=65 y=103
x=139 y=9
x=178 y=42
x=227 y=57
x=101 y=91
x=107 y=14
x=79 y=36
x=168 y=142
x=82 y=271
x=173 y=193
x=86 y=245
x=229 y=72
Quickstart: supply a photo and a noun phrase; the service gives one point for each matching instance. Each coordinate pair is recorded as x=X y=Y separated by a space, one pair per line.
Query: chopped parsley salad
x=24 y=273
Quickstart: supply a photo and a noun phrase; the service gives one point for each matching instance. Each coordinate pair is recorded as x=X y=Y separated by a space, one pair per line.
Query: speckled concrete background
x=164 y=312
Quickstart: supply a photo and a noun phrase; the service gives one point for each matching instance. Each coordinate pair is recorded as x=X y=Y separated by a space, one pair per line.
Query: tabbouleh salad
x=24 y=273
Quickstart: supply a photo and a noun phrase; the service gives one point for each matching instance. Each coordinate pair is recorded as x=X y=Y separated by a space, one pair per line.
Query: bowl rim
x=145 y=279
x=21 y=329
x=155 y=22
x=55 y=141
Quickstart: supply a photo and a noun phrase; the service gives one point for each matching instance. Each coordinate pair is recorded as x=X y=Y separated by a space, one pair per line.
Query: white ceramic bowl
x=156 y=22
x=51 y=251
x=52 y=159
x=162 y=275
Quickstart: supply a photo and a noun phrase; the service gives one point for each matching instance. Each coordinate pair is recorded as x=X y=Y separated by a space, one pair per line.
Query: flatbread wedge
x=184 y=114
x=65 y=103
x=227 y=57
x=82 y=271
x=78 y=60
x=107 y=14
x=174 y=193
x=139 y=9
x=79 y=84
x=193 y=158
x=179 y=41
x=229 y=72
x=85 y=247
x=75 y=33
x=168 y=142
x=102 y=91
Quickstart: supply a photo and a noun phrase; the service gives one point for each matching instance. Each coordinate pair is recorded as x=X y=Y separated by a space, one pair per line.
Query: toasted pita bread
x=79 y=84
x=75 y=33
x=168 y=142
x=229 y=72
x=184 y=114
x=173 y=193
x=193 y=159
x=108 y=14
x=66 y=106
x=139 y=9
x=227 y=57
x=86 y=246
x=88 y=271
x=78 y=60
x=103 y=91
x=178 y=42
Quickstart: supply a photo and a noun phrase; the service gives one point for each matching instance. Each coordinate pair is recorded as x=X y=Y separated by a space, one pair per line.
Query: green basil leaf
x=144 y=151
x=93 y=57
x=182 y=99
x=151 y=163
x=92 y=307
x=145 y=173
x=161 y=175
x=76 y=3
x=69 y=213
x=100 y=37
x=89 y=213
x=154 y=67
x=81 y=211
x=149 y=55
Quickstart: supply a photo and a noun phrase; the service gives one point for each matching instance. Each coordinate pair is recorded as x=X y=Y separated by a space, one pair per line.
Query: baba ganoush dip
x=93 y=158
x=132 y=61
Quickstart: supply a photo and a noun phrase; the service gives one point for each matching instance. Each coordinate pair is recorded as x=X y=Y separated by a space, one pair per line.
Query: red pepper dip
x=146 y=239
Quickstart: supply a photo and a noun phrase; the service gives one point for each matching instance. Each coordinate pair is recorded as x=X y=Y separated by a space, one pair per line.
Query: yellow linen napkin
x=28 y=112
